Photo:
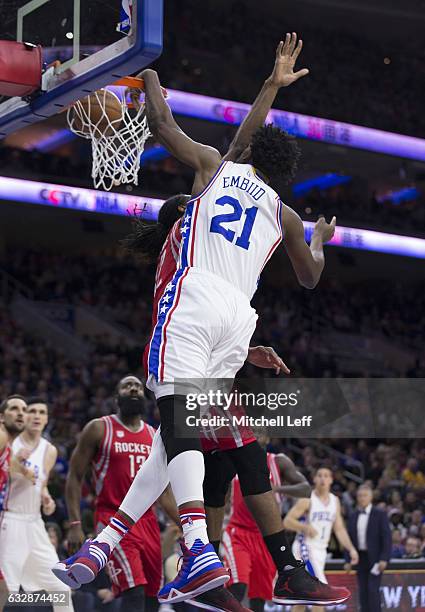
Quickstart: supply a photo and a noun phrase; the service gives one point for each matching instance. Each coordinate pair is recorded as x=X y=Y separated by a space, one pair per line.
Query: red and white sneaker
x=297 y=586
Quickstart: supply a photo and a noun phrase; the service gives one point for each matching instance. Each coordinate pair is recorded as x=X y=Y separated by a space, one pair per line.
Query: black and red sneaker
x=297 y=586
x=218 y=600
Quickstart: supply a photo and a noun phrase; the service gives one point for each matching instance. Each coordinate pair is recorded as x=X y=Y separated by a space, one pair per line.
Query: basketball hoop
x=117 y=136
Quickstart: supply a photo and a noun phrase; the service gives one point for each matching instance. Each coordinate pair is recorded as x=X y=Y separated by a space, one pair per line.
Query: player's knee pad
x=251 y=466
x=219 y=473
x=170 y=407
x=133 y=600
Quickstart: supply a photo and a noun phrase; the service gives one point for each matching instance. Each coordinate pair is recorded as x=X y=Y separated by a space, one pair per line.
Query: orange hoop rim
x=136 y=83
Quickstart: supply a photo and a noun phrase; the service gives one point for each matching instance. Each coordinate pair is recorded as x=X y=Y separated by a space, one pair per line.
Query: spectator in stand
x=413 y=476
x=398 y=550
x=416 y=522
x=412 y=548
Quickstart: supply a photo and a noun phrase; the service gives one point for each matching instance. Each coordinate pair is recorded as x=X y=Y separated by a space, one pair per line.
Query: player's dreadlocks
x=275 y=153
x=146 y=239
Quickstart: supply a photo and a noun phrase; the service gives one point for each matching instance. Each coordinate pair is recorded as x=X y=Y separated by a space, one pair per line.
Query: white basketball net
x=116 y=145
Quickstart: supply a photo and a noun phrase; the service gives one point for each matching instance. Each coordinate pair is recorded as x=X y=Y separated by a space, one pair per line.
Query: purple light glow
x=78 y=198
x=303 y=126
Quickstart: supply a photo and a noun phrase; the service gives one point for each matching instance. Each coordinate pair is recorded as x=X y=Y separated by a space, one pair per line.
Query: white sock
x=186 y=473
x=194 y=525
x=110 y=536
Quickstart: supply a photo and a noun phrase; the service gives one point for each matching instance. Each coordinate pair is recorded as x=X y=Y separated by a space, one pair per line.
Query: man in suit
x=369 y=530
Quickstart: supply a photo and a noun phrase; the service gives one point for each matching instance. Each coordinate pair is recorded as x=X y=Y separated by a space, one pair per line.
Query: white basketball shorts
x=27 y=555
x=203 y=331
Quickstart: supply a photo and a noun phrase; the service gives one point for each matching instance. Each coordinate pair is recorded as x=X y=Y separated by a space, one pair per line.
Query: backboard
x=96 y=42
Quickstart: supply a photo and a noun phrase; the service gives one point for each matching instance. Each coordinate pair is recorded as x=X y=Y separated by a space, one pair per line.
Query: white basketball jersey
x=25 y=497
x=233 y=227
x=322 y=517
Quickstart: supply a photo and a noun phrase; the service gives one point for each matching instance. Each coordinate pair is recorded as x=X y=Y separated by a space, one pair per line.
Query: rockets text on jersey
x=120 y=455
x=240 y=516
x=233 y=227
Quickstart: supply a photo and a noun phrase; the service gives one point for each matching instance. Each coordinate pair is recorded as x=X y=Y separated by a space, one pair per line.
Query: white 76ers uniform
x=26 y=553
x=205 y=320
x=314 y=550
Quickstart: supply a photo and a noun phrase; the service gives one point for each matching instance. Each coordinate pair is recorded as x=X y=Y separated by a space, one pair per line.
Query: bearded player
x=115 y=447
x=228 y=273
x=26 y=553
x=314 y=519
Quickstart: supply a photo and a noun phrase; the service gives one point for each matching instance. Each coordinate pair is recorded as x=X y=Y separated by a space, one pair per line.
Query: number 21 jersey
x=233 y=227
x=120 y=455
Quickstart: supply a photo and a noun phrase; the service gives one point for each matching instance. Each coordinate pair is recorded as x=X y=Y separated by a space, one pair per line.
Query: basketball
x=102 y=109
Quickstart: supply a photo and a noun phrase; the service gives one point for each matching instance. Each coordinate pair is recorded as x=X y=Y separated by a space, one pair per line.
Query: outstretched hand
x=325 y=230
x=266 y=357
x=287 y=53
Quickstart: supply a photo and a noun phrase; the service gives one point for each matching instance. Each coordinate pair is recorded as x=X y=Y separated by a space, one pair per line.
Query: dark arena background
x=76 y=309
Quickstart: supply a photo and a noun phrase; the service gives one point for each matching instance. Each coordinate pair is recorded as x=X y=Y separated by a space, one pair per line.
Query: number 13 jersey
x=233 y=227
x=121 y=454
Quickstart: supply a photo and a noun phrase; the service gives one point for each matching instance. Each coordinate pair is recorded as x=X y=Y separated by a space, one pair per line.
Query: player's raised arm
x=82 y=456
x=203 y=159
x=307 y=261
x=295 y=483
x=283 y=75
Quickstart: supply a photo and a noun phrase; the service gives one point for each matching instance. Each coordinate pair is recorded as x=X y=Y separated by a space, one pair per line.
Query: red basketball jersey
x=240 y=516
x=121 y=454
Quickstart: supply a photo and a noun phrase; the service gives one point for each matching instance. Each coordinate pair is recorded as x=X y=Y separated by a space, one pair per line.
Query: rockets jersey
x=24 y=497
x=240 y=516
x=5 y=456
x=120 y=455
x=322 y=517
x=233 y=227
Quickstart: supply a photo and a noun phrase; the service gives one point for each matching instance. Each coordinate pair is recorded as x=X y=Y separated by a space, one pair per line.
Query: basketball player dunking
x=321 y=514
x=26 y=553
x=115 y=447
x=220 y=265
